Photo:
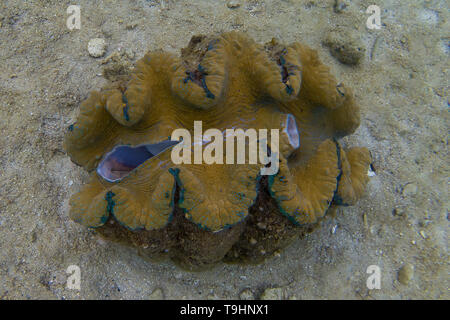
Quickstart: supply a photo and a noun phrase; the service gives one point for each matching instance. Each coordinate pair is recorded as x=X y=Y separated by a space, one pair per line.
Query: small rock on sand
x=345 y=46
x=97 y=47
x=131 y=25
x=398 y=211
x=339 y=6
x=157 y=294
x=247 y=294
x=406 y=273
x=409 y=189
x=272 y=294
x=232 y=4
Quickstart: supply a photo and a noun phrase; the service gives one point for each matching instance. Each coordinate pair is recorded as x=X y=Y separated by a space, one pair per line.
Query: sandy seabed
x=401 y=84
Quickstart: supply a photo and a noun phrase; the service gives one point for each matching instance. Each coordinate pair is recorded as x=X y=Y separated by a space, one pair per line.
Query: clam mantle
x=200 y=214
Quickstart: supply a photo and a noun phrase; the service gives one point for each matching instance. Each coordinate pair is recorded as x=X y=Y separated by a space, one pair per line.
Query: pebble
x=272 y=294
x=157 y=294
x=33 y=236
x=424 y=223
x=373 y=230
x=333 y=230
x=435 y=148
x=365 y=222
x=261 y=225
x=339 y=6
x=253 y=241
x=130 y=53
x=178 y=276
x=410 y=189
x=232 y=4
x=247 y=294
x=406 y=273
x=97 y=47
x=398 y=212
x=131 y=25
x=345 y=46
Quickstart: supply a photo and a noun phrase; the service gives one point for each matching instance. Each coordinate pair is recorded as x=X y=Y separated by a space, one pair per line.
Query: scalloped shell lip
x=243 y=215
x=202 y=86
x=122 y=160
x=291 y=73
